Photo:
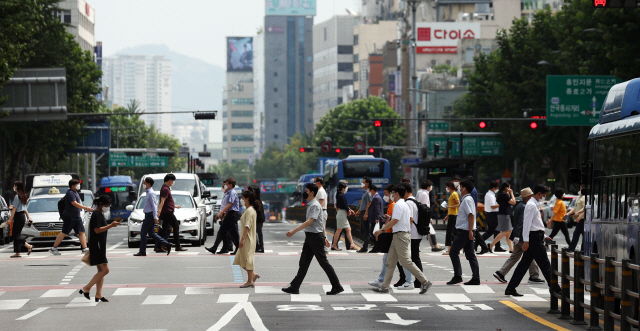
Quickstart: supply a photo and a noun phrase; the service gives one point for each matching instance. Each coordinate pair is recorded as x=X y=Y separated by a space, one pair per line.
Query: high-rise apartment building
x=332 y=62
x=81 y=19
x=369 y=39
x=144 y=79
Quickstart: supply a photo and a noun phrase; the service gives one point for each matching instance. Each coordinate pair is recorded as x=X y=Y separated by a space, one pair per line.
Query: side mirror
x=213 y=196
x=129 y=208
x=206 y=194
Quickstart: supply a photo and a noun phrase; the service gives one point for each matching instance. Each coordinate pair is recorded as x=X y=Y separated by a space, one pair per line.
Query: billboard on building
x=443 y=37
x=290 y=8
x=239 y=54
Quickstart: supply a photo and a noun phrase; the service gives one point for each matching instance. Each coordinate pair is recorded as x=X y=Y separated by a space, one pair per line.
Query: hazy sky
x=192 y=27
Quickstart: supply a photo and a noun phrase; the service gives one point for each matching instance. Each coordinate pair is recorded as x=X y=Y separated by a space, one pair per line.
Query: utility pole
x=414 y=80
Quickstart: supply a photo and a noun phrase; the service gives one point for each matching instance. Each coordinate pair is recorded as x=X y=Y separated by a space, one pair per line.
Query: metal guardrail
x=607 y=305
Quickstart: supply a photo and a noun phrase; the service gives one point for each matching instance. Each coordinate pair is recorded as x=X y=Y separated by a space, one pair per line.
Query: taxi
x=43 y=211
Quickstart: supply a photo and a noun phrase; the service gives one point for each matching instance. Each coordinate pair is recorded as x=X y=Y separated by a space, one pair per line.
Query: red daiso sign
x=443 y=37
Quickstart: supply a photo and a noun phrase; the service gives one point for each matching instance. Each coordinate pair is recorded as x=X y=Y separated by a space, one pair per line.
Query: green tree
x=286 y=162
x=240 y=171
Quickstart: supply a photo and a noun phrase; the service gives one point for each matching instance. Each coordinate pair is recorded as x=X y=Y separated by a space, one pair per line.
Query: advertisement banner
x=443 y=37
x=290 y=8
x=239 y=54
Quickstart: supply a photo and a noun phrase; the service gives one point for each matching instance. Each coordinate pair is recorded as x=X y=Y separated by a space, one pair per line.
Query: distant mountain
x=196 y=84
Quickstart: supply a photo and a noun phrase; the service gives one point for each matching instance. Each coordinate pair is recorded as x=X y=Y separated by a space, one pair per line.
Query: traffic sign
x=122 y=160
x=410 y=160
x=325 y=146
x=439 y=126
x=360 y=147
x=574 y=100
x=473 y=146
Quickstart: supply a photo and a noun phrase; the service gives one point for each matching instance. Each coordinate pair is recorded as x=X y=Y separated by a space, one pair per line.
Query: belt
x=20 y=212
x=538 y=231
x=401 y=232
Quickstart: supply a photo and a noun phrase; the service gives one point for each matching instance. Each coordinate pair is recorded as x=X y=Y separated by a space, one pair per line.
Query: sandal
x=15 y=255
x=336 y=249
x=29 y=249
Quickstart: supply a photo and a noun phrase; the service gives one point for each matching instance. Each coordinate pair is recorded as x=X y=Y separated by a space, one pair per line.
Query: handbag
x=86 y=258
x=384 y=242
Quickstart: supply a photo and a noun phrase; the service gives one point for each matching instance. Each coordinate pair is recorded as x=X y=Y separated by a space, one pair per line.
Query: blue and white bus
x=352 y=170
x=122 y=192
x=611 y=226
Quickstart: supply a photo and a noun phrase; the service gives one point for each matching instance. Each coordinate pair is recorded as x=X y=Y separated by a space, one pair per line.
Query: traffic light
x=371 y=150
x=488 y=125
x=306 y=149
x=338 y=150
x=615 y=3
x=204 y=154
x=533 y=125
x=383 y=122
x=377 y=123
x=205 y=115
x=482 y=125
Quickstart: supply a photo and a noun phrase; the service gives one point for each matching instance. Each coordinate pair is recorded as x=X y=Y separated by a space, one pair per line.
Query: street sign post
x=576 y=100
x=122 y=160
x=473 y=146
x=439 y=126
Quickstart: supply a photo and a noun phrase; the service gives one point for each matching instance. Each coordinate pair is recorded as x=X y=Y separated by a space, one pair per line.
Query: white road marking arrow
x=396 y=319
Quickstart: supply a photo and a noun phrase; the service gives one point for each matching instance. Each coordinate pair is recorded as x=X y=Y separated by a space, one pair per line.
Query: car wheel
x=133 y=244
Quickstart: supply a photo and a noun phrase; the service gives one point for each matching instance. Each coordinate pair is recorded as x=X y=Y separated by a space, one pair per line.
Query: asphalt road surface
x=195 y=290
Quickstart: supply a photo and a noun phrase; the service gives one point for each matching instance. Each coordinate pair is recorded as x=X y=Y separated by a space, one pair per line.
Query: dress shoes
x=335 y=291
x=455 y=280
x=290 y=290
x=513 y=293
x=210 y=250
x=181 y=249
x=499 y=249
x=139 y=254
x=223 y=252
x=473 y=281
x=362 y=250
x=159 y=250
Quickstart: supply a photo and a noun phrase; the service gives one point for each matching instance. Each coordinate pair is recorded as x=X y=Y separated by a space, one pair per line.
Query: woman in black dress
x=260 y=219
x=98 y=246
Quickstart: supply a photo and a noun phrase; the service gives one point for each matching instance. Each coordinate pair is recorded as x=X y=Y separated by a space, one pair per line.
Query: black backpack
x=424 y=217
x=61 y=206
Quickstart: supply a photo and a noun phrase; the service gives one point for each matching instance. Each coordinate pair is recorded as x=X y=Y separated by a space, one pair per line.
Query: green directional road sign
x=439 y=126
x=122 y=160
x=576 y=100
x=473 y=146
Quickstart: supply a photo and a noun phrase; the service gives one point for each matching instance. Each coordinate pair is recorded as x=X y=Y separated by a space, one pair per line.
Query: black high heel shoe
x=103 y=299
x=86 y=294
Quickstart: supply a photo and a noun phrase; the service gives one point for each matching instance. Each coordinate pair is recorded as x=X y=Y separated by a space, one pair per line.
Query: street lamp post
x=414 y=76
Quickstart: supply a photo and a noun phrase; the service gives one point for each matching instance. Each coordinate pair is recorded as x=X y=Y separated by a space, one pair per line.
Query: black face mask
x=305 y=195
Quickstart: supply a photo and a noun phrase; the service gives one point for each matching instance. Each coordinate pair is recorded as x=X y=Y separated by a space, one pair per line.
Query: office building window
x=344 y=49
x=275 y=120
x=355 y=76
x=275 y=136
x=275 y=89
x=242 y=113
x=275 y=74
x=241 y=150
x=242 y=101
x=275 y=105
x=355 y=39
x=242 y=125
x=355 y=58
x=242 y=137
x=345 y=67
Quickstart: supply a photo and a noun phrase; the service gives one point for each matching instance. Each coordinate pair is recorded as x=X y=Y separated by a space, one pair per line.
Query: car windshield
x=88 y=200
x=45 y=205
x=183 y=201
x=188 y=185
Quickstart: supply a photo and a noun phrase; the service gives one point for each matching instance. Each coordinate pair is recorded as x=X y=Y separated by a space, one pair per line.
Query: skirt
x=341 y=219
x=504 y=223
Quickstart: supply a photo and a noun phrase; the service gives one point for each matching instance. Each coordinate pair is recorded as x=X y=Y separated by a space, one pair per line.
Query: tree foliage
x=240 y=171
x=288 y=161
x=509 y=80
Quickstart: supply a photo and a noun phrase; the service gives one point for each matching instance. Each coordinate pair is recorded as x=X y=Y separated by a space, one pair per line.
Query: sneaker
x=54 y=251
x=425 y=287
x=381 y=289
x=375 y=283
x=455 y=280
x=84 y=250
x=536 y=281
x=499 y=277
x=405 y=286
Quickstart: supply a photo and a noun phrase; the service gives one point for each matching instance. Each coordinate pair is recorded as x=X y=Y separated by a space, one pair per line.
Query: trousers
x=534 y=272
x=462 y=241
x=400 y=251
x=366 y=229
x=19 y=219
x=492 y=224
x=228 y=226
x=403 y=271
x=576 y=235
x=169 y=223
x=536 y=252
x=148 y=230
x=314 y=246
x=560 y=226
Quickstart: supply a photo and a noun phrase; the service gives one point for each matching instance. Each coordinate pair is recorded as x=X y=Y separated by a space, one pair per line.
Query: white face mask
x=346 y=189
x=386 y=198
x=362 y=184
x=370 y=195
x=78 y=187
x=106 y=209
x=224 y=187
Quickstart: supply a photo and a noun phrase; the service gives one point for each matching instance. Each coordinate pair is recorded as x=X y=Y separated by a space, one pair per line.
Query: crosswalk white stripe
x=115 y=246
x=159 y=299
x=540 y=290
x=477 y=289
x=268 y=289
x=529 y=297
x=452 y=297
x=347 y=289
x=199 y=290
x=379 y=297
x=12 y=304
x=305 y=297
x=31 y=314
x=287 y=253
x=129 y=291
x=233 y=298
x=81 y=302
x=59 y=293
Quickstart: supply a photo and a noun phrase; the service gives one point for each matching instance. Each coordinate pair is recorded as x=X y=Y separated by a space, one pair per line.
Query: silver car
x=43 y=211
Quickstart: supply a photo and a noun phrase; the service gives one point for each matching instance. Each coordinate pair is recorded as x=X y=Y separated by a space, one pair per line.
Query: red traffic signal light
x=482 y=125
x=533 y=125
x=338 y=150
x=377 y=123
x=302 y=150
x=371 y=150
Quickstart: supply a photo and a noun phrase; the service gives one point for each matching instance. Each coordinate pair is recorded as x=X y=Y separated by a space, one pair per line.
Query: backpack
x=61 y=206
x=424 y=217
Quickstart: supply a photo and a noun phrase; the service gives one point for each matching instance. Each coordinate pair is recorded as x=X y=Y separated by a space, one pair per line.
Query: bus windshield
x=120 y=196
x=359 y=169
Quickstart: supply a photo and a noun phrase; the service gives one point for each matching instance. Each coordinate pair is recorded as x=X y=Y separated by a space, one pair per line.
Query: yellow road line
x=533 y=316
x=345 y=241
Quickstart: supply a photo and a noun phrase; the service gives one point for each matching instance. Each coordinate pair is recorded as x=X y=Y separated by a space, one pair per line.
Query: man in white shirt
x=491 y=212
x=533 y=237
x=464 y=238
x=400 y=245
x=416 y=238
x=322 y=199
x=424 y=198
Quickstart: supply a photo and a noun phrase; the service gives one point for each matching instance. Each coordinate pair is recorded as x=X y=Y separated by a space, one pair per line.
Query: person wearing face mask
x=424 y=197
x=322 y=199
x=98 y=244
x=150 y=219
x=71 y=219
x=342 y=223
x=314 y=243
x=166 y=211
x=374 y=213
x=365 y=231
x=491 y=212
x=452 y=207
x=231 y=212
x=578 y=214
x=19 y=217
x=246 y=253
x=557 y=216
x=465 y=228
x=533 y=237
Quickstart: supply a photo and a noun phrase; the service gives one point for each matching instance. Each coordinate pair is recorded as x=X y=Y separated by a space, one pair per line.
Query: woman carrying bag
x=98 y=228
x=19 y=217
x=247 y=248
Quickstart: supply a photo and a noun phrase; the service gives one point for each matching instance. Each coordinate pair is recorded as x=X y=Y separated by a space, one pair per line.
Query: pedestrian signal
x=377 y=123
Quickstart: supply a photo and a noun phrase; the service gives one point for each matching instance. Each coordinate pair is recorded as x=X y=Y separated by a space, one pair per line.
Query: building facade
x=145 y=79
x=237 y=118
x=369 y=39
x=285 y=70
x=81 y=20
x=332 y=62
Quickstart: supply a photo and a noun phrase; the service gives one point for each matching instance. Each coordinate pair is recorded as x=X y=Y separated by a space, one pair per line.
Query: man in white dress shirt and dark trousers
x=533 y=237
x=464 y=238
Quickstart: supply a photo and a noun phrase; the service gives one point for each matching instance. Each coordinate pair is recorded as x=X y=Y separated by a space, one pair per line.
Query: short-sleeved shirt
x=363 y=203
x=169 y=206
x=452 y=201
x=414 y=213
x=69 y=209
x=314 y=211
x=402 y=213
x=560 y=209
x=503 y=200
x=580 y=204
x=466 y=208
x=322 y=195
x=423 y=197
x=341 y=201
x=17 y=205
x=390 y=212
x=490 y=200
x=232 y=198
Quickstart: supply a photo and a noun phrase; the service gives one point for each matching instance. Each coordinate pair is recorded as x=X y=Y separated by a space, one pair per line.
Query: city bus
x=122 y=193
x=352 y=170
x=612 y=172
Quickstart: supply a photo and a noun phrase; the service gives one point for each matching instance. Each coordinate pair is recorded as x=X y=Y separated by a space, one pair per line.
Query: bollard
x=578 y=289
x=609 y=296
x=554 y=280
x=625 y=303
x=594 y=318
x=565 y=305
